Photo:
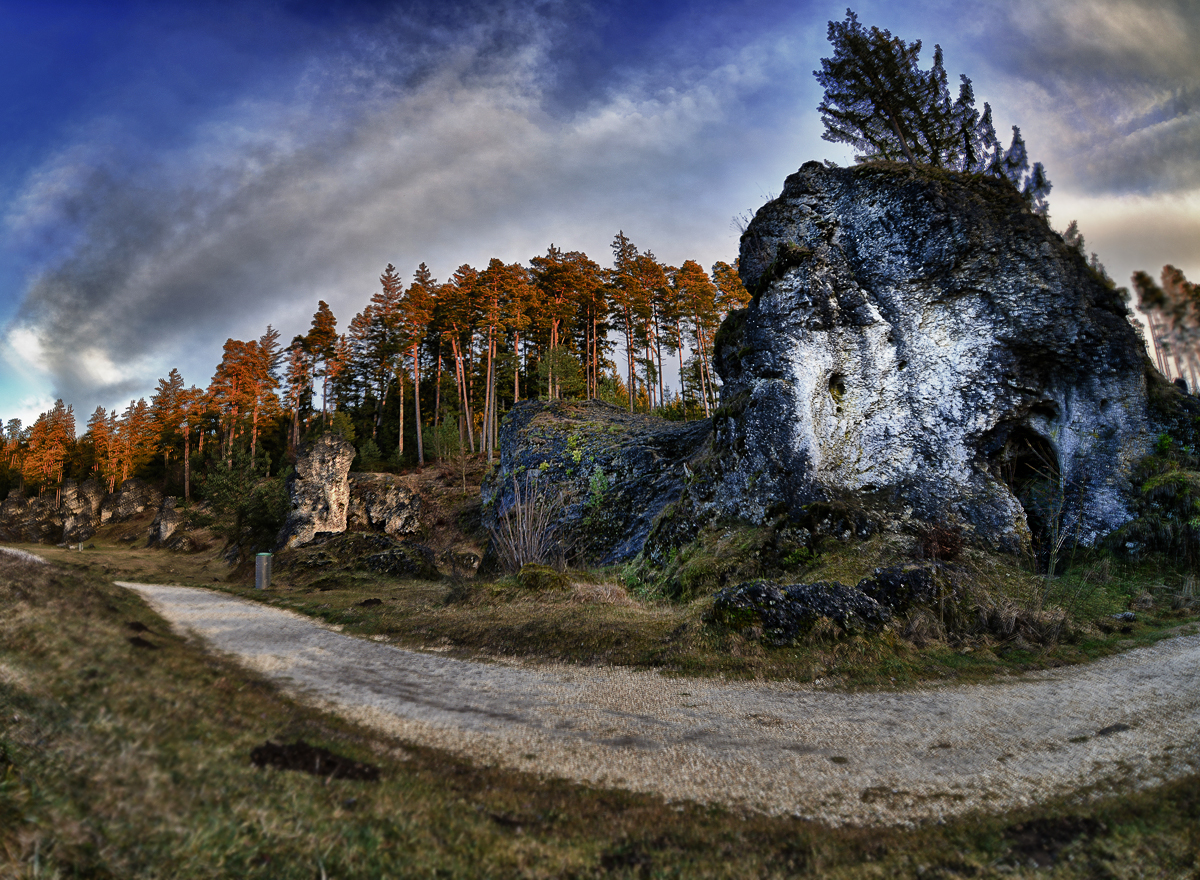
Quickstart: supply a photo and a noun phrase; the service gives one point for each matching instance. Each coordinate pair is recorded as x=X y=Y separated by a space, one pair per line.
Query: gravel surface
x=874 y=758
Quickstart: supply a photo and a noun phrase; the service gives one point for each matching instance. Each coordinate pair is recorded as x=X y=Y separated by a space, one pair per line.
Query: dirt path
x=1131 y=720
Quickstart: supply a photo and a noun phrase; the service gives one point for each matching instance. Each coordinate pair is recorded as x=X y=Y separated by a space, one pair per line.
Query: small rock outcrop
x=133 y=498
x=320 y=491
x=611 y=471
x=74 y=514
x=360 y=551
x=166 y=522
x=923 y=344
x=383 y=503
x=782 y=613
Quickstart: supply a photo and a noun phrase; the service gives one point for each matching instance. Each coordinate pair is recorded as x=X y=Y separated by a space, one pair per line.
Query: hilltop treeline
x=425 y=370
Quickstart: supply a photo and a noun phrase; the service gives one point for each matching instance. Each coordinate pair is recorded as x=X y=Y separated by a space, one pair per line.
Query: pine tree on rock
x=878 y=100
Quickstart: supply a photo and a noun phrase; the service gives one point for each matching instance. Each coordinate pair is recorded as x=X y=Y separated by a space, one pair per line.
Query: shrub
x=527 y=532
x=249 y=508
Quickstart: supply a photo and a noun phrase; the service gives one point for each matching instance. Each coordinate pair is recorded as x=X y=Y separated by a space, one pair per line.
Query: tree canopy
x=879 y=101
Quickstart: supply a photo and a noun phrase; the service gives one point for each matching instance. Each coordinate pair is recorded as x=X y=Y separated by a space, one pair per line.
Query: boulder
x=320 y=491
x=405 y=559
x=383 y=503
x=783 y=613
x=166 y=522
x=607 y=472
x=920 y=345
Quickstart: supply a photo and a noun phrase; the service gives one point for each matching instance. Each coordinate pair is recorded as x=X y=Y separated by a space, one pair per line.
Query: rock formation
x=133 y=498
x=383 y=503
x=81 y=505
x=80 y=510
x=320 y=491
x=612 y=470
x=166 y=522
x=328 y=500
x=922 y=343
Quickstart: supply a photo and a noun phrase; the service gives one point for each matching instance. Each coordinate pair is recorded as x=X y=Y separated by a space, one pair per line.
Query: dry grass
x=601 y=594
x=119 y=761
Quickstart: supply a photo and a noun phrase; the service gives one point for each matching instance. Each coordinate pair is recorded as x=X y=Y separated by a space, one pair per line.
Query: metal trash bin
x=262 y=571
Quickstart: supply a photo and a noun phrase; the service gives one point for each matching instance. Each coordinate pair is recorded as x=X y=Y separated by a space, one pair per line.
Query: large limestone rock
x=320 y=492
x=37 y=520
x=166 y=522
x=612 y=471
x=383 y=503
x=921 y=342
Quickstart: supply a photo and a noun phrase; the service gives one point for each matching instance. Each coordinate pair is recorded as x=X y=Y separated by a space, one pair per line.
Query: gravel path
x=877 y=758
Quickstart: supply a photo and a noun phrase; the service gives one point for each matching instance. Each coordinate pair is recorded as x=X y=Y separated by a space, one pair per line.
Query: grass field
x=125 y=752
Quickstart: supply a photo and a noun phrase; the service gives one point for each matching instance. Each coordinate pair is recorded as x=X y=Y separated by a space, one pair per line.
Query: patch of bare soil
x=865 y=758
x=311 y=759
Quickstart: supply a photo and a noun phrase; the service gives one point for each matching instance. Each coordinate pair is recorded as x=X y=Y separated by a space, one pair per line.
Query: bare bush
x=600 y=594
x=921 y=627
x=527 y=531
x=1188 y=595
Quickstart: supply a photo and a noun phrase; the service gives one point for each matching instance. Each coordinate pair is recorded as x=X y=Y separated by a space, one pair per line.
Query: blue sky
x=173 y=174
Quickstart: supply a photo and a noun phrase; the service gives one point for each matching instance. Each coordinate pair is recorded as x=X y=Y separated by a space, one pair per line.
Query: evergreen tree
x=878 y=100
x=416 y=311
x=321 y=342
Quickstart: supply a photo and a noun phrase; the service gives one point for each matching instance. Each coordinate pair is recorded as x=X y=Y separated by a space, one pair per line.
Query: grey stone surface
x=166 y=522
x=383 y=503
x=131 y=499
x=612 y=471
x=52 y=517
x=908 y=325
x=320 y=491
x=81 y=510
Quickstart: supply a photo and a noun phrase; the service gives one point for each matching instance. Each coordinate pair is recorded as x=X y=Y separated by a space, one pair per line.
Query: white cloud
x=272 y=206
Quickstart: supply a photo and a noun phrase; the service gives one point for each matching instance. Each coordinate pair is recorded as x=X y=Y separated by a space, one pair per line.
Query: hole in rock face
x=1047 y=409
x=1027 y=463
x=837 y=387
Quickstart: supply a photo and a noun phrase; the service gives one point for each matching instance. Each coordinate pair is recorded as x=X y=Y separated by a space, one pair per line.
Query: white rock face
x=320 y=491
x=922 y=341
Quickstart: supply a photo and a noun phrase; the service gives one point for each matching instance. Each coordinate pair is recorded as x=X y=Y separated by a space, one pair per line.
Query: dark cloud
x=1113 y=85
x=400 y=143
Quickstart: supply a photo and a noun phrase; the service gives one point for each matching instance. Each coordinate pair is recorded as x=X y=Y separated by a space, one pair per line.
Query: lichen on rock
x=921 y=342
x=614 y=471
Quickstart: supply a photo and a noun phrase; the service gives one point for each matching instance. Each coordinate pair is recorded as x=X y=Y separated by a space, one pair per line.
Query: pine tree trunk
x=417 y=403
x=400 y=401
x=437 y=394
x=516 y=367
x=254 y=433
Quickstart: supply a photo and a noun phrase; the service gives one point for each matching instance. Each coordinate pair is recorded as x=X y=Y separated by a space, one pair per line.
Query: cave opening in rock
x=1027 y=463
